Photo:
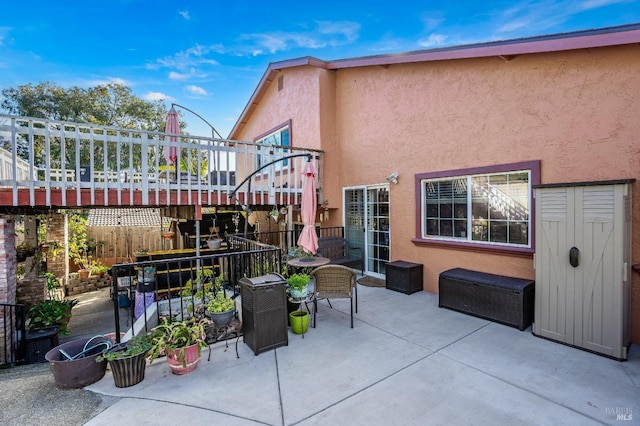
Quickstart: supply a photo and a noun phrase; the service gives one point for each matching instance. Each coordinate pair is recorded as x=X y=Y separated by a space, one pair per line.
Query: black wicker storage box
x=506 y=300
x=405 y=277
x=264 y=312
x=39 y=342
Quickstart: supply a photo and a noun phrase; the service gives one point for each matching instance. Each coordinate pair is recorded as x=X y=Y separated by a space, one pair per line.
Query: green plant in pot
x=98 y=268
x=181 y=341
x=220 y=307
x=297 y=285
x=50 y=313
x=128 y=360
x=199 y=289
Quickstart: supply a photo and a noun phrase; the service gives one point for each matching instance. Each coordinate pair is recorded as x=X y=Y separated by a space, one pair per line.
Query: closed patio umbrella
x=308 y=239
x=172 y=126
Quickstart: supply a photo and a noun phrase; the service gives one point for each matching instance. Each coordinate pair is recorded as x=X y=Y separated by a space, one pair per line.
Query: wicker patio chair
x=333 y=282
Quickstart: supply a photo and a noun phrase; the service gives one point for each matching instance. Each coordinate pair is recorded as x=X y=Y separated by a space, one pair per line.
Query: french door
x=366 y=225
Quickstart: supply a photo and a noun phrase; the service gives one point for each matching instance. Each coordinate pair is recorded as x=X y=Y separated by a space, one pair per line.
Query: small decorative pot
x=299 y=321
x=298 y=293
x=191 y=360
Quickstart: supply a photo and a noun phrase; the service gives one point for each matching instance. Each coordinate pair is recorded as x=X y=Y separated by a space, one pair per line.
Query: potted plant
x=128 y=360
x=297 y=285
x=181 y=342
x=50 y=313
x=220 y=307
x=98 y=268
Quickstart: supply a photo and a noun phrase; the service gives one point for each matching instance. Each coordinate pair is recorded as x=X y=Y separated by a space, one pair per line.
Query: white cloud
x=184 y=14
x=192 y=57
x=178 y=76
x=593 y=4
x=183 y=76
x=196 y=90
x=433 y=40
x=325 y=33
x=537 y=16
x=347 y=29
x=157 y=96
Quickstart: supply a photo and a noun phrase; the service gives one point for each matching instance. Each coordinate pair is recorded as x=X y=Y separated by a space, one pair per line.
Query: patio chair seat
x=333 y=282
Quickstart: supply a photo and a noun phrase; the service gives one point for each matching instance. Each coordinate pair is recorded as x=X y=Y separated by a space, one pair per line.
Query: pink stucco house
x=435 y=154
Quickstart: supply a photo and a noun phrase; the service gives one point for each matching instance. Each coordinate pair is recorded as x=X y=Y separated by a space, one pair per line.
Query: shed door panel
x=596 y=313
x=580 y=306
x=551 y=304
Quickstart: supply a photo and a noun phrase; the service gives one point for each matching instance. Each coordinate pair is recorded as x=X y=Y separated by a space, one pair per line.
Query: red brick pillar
x=7 y=280
x=56 y=232
x=7 y=259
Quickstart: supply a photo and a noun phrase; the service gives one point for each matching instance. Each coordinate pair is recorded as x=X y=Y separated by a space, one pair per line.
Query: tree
x=108 y=105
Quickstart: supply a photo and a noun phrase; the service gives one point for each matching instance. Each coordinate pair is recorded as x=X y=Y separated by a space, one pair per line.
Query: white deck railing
x=40 y=154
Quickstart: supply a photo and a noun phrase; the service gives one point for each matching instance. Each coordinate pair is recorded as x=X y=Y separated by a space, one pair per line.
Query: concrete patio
x=405 y=362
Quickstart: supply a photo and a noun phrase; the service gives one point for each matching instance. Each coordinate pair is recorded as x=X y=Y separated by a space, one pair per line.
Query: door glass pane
x=354 y=217
x=377 y=229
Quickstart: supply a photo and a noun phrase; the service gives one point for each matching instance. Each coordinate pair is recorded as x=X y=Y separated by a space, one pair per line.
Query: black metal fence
x=287 y=239
x=12 y=335
x=169 y=282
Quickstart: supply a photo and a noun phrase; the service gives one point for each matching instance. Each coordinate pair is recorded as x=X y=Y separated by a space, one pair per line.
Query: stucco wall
x=307 y=98
x=575 y=111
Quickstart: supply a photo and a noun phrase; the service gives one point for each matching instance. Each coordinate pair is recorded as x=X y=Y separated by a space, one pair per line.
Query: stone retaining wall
x=77 y=286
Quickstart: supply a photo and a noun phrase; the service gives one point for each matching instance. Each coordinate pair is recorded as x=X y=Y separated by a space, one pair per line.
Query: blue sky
x=210 y=55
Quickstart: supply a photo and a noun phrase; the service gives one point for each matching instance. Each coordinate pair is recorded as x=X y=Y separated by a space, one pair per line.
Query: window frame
x=282 y=165
x=532 y=167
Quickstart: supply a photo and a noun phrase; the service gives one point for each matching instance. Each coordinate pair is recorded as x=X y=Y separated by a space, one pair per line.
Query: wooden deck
x=54 y=164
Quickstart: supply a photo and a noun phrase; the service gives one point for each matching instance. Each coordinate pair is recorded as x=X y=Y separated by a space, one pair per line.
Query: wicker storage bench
x=506 y=300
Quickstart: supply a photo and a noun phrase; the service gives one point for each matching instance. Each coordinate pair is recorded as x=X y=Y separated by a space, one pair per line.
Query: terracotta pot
x=191 y=360
x=167 y=235
x=83 y=273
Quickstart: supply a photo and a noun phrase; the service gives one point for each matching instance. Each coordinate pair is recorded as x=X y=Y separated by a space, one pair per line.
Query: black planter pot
x=291 y=307
x=128 y=371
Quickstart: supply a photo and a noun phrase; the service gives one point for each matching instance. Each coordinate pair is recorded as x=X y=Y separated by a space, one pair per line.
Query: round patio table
x=308 y=262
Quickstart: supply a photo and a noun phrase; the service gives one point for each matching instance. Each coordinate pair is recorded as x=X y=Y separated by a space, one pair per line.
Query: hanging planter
x=167 y=235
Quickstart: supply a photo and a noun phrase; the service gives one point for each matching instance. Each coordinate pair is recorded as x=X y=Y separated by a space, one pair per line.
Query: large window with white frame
x=489 y=206
x=281 y=140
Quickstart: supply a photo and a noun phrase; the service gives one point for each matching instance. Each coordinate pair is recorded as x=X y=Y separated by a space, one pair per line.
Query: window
x=489 y=205
x=279 y=138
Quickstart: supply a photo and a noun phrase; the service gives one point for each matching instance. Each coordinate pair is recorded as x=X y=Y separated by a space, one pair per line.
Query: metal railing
x=12 y=335
x=170 y=292
x=244 y=258
x=39 y=154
